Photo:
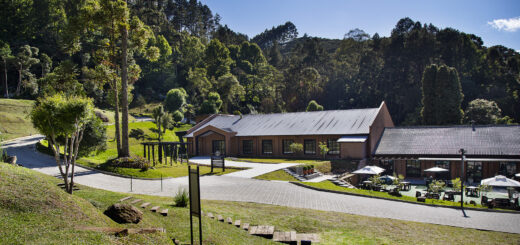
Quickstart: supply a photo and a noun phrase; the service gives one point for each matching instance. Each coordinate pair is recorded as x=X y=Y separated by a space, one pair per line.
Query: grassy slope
x=334 y=228
x=14 y=121
x=277 y=175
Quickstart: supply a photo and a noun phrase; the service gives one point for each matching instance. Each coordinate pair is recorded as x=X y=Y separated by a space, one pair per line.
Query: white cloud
x=511 y=24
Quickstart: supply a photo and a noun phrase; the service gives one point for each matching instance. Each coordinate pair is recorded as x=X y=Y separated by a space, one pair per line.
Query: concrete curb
x=396 y=200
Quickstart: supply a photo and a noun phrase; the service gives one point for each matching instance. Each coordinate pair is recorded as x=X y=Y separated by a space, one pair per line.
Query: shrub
x=136 y=133
x=101 y=116
x=131 y=162
x=296 y=147
x=181 y=198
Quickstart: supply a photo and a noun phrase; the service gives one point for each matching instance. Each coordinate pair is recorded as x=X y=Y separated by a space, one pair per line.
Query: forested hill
x=274 y=71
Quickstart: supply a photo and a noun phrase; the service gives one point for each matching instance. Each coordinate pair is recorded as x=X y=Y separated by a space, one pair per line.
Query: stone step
x=220 y=218
x=210 y=215
x=124 y=199
x=229 y=220
x=164 y=212
x=266 y=231
x=285 y=237
x=237 y=223
x=144 y=205
x=154 y=209
x=135 y=201
x=245 y=226
x=308 y=238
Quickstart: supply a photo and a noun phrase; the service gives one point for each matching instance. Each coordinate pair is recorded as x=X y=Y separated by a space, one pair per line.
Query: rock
x=11 y=160
x=101 y=116
x=124 y=213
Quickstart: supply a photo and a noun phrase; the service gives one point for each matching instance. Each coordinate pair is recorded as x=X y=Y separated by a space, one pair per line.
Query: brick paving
x=243 y=189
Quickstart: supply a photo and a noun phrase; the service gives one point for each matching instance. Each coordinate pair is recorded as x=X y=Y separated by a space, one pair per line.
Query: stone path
x=232 y=188
x=256 y=169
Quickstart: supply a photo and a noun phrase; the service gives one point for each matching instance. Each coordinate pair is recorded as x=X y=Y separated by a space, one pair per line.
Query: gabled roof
x=490 y=140
x=333 y=122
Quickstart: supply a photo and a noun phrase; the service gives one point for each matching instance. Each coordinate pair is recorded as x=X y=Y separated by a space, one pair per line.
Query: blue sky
x=496 y=22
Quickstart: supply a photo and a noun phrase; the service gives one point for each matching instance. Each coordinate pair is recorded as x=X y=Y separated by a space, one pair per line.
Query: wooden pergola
x=173 y=150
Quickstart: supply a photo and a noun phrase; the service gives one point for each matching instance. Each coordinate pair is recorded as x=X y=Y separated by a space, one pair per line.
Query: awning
x=352 y=139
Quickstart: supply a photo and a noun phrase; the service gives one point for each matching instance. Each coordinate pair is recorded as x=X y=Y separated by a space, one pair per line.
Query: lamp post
x=462 y=158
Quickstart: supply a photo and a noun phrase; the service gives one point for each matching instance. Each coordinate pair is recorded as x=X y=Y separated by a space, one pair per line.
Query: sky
x=497 y=22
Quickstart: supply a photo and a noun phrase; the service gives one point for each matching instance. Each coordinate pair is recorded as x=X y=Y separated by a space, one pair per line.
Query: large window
x=445 y=165
x=413 y=168
x=267 y=146
x=333 y=146
x=507 y=169
x=474 y=172
x=247 y=146
x=309 y=147
x=286 y=145
x=388 y=165
x=220 y=146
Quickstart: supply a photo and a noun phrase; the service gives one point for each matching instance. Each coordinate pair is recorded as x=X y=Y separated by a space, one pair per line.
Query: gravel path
x=232 y=188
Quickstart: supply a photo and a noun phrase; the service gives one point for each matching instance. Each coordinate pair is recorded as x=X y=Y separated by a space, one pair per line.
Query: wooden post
x=159 y=148
x=148 y=146
x=144 y=150
x=153 y=154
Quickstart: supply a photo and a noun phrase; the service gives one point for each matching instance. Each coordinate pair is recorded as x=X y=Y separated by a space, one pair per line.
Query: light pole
x=462 y=158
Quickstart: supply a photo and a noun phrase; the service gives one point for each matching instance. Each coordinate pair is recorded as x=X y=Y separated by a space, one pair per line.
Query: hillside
x=14 y=121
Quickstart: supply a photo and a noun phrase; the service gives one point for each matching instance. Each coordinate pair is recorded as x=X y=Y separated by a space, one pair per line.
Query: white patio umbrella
x=369 y=170
x=500 y=180
x=517 y=175
x=436 y=170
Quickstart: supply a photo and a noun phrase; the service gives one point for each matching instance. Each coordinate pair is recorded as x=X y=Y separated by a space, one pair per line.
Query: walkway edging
x=397 y=200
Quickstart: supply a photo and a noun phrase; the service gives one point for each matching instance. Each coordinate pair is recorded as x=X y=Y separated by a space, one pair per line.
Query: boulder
x=124 y=213
x=101 y=116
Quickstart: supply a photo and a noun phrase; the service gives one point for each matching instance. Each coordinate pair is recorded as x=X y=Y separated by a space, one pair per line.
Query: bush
x=181 y=198
x=101 y=116
x=131 y=162
x=136 y=133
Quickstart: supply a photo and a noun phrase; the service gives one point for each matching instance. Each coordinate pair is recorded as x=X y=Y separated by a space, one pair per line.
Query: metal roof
x=490 y=140
x=333 y=122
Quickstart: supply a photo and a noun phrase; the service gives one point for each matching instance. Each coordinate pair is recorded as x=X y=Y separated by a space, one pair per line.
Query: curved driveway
x=233 y=188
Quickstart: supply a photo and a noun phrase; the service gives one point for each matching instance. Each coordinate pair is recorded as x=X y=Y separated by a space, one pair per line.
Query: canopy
x=500 y=180
x=436 y=169
x=517 y=175
x=369 y=170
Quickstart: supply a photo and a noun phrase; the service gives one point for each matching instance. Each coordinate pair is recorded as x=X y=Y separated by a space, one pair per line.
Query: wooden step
x=266 y=231
x=154 y=209
x=229 y=220
x=144 y=205
x=164 y=212
x=210 y=215
x=237 y=223
x=245 y=226
x=220 y=218
x=124 y=199
x=285 y=237
x=135 y=201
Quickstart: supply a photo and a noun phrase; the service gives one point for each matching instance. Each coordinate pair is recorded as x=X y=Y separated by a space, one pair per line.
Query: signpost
x=218 y=161
x=194 y=189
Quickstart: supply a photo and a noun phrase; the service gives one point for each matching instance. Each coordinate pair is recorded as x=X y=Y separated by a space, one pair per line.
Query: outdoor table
x=406 y=186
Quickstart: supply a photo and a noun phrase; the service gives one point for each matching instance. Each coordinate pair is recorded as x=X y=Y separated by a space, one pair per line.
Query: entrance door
x=220 y=146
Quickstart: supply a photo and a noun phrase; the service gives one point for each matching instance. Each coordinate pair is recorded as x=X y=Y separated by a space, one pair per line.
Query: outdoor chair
x=418 y=194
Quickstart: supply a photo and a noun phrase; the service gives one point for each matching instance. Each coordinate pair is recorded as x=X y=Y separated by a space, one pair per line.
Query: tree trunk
x=5 y=78
x=125 y=149
x=116 y=120
x=19 y=81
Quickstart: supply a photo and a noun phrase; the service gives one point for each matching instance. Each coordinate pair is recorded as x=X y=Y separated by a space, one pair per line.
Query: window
x=286 y=145
x=388 y=165
x=413 y=168
x=309 y=146
x=507 y=169
x=474 y=172
x=220 y=146
x=247 y=146
x=333 y=146
x=267 y=146
x=445 y=165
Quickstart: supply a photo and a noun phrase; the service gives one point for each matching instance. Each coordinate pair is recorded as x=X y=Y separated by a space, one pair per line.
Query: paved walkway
x=255 y=169
x=272 y=192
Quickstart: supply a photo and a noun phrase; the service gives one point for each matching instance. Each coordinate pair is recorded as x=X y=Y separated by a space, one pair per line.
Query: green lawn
x=14 y=120
x=145 y=110
x=327 y=185
x=320 y=165
x=35 y=211
x=277 y=175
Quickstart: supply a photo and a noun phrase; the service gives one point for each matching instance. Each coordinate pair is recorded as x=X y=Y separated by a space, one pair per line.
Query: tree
x=175 y=99
x=323 y=149
x=158 y=114
x=5 y=54
x=211 y=105
x=296 y=147
x=66 y=117
x=314 y=106
x=63 y=79
x=217 y=59
x=23 y=61
x=177 y=116
x=442 y=96
x=46 y=64
x=482 y=111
